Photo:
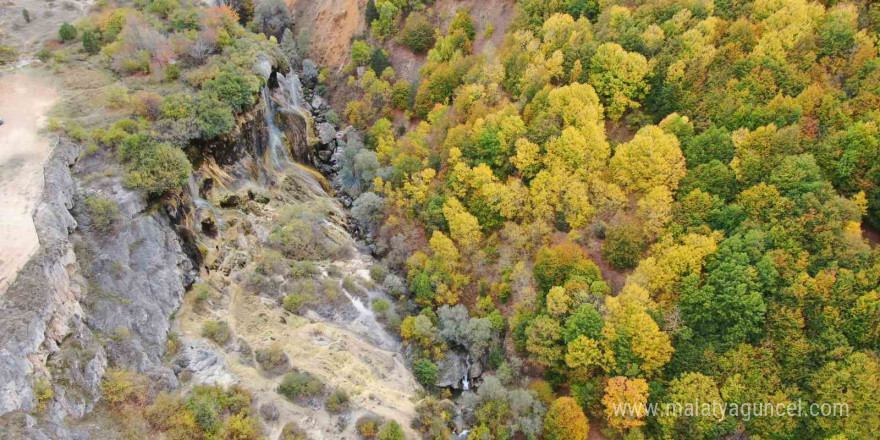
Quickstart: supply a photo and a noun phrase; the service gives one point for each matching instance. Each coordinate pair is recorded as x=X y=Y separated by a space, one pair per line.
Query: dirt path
x=24 y=99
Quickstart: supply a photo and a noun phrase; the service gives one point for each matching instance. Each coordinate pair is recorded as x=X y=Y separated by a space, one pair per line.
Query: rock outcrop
x=87 y=299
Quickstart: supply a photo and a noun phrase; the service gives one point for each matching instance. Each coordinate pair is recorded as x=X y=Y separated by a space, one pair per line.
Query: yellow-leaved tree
x=624 y=402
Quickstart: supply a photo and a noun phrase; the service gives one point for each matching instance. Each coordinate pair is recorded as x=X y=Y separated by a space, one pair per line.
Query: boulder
x=309 y=73
x=452 y=369
x=326 y=133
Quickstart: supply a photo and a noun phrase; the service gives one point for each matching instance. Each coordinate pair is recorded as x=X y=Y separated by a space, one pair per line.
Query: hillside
x=447 y=219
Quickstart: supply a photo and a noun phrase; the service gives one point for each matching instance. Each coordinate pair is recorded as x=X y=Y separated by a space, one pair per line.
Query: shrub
x=67 y=32
x=462 y=21
x=242 y=427
x=425 y=372
x=120 y=386
x=90 y=42
x=557 y=264
x=44 y=392
x=623 y=245
x=298 y=385
x=401 y=94
x=103 y=211
x=217 y=331
x=292 y=432
x=163 y=8
x=146 y=104
x=368 y=426
x=7 y=55
x=237 y=90
x=293 y=302
x=213 y=118
x=417 y=33
x=273 y=359
x=201 y=292
x=156 y=168
x=380 y=306
x=337 y=402
x=378 y=272
x=391 y=430
x=360 y=53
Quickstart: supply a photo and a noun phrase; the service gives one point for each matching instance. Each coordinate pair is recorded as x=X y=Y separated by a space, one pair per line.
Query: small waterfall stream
x=201 y=204
x=275 y=149
x=465 y=381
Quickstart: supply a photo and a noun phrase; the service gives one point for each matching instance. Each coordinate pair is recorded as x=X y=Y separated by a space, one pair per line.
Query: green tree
x=90 y=42
x=417 y=33
x=425 y=371
x=619 y=78
x=67 y=32
x=623 y=245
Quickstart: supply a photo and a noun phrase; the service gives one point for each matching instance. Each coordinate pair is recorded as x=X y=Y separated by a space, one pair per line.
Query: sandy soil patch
x=24 y=99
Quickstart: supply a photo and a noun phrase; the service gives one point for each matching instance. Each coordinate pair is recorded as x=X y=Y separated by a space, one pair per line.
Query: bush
x=237 y=90
x=242 y=427
x=462 y=21
x=368 y=426
x=391 y=430
x=298 y=385
x=273 y=359
x=157 y=169
x=401 y=94
x=67 y=32
x=360 y=53
x=380 y=306
x=293 y=302
x=103 y=211
x=213 y=118
x=146 y=104
x=7 y=55
x=623 y=245
x=417 y=33
x=337 y=402
x=90 y=42
x=120 y=387
x=425 y=372
x=217 y=331
x=292 y=431
x=558 y=264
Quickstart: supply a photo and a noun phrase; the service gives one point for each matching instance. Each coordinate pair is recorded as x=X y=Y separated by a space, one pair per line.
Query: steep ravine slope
x=92 y=299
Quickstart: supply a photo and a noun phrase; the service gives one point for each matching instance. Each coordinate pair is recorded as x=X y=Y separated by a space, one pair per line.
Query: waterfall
x=463 y=434
x=200 y=203
x=276 y=149
x=465 y=381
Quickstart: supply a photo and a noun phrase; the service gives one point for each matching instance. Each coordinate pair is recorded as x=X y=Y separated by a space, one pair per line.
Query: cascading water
x=200 y=203
x=465 y=381
x=275 y=148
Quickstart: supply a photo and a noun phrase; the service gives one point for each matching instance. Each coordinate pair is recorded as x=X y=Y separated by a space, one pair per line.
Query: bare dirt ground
x=45 y=18
x=24 y=99
x=332 y=24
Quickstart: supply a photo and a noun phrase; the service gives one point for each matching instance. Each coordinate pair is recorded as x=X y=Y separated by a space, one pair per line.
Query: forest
x=626 y=202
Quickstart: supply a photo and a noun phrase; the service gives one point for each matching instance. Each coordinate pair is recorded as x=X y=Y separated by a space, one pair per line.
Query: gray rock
x=309 y=74
x=269 y=412
x=452 y=368
x=319 y=103
x=207 y=365
x=326 y=133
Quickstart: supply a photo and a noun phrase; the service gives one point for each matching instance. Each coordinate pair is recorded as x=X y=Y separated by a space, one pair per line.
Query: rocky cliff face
x=87 y=298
